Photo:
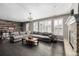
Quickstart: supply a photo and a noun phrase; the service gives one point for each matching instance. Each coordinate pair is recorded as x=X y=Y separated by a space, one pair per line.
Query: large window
x=35 y=26
x=27 y=27
x=45 y=26
x=58 y=26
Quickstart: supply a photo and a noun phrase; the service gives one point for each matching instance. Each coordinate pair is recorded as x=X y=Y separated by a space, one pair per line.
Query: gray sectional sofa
x=46 y=37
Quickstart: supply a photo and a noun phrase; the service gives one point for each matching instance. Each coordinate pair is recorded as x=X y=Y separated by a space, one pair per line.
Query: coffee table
x=30 y=41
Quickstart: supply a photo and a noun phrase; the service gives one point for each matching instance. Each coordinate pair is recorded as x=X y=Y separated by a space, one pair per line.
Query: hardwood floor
x=43 y=49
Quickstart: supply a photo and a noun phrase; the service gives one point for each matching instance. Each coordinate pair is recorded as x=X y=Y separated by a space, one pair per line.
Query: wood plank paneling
x=5 y=25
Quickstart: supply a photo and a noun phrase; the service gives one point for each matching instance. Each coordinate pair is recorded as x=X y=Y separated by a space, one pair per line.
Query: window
x=45 y=26
x=58 y=27
x=35 y=26
x=27 y=27
x=41 y=26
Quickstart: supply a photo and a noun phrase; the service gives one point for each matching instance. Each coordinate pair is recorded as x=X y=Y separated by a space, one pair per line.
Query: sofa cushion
x=15 y=33
x=40 y=36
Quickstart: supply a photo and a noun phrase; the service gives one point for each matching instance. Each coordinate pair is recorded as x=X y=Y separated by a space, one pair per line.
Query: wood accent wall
x=5 y=25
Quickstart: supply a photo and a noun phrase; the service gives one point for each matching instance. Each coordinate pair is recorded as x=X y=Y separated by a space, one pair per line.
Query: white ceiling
x=20 y=11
